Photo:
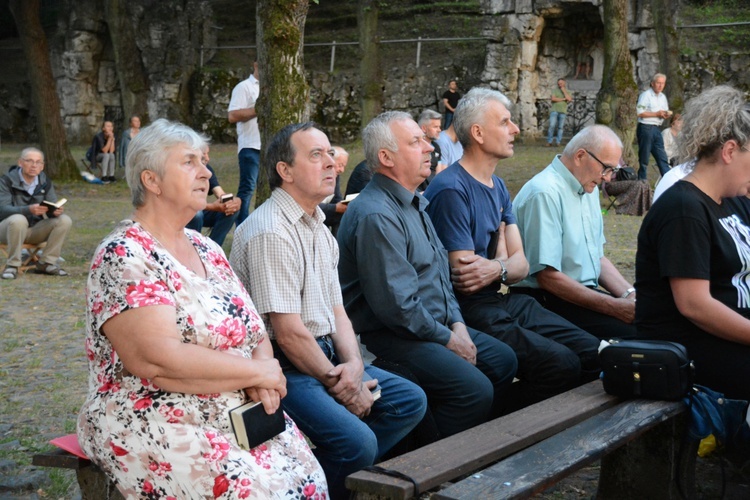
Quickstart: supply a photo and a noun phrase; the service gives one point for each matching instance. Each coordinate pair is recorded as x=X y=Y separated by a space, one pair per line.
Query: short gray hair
x=591 y=139
x=658 y=75
x=471 y=109
x=711 y=119
x=378 y=135
x=149 y=150
x=26 y=151
x=427 y=116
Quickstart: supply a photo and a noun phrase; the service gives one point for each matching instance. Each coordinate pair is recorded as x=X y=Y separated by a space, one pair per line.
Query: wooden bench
x=93 y=483
x=534 y=448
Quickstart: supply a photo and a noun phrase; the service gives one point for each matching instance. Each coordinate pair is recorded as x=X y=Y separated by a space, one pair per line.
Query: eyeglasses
x=606 y=169
x=33 y=162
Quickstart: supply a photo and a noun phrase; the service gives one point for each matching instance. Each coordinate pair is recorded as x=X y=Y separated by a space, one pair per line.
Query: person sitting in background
x=361 y=176
x=22 y=215
x=429 y=122
x=103 y=148
x=219 y=215
x=174 y=342
x=450 y=147
x=691 y=266
x=127 y=136
x=633 y=196
x=669 y=136
x=332 y=206
x=287 y=259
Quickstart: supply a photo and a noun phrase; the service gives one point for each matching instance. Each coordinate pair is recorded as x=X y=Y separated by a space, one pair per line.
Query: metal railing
x=334 y=44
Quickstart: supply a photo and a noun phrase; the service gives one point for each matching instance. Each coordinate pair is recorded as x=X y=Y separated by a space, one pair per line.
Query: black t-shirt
x=688 y=235
x=452 y=97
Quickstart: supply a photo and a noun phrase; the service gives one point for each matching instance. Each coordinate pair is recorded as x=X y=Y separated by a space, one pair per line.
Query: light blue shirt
x=450 y=151
x=561 y=226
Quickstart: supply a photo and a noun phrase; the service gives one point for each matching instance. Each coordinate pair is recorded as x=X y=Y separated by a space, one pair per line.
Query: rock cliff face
x=116 y=58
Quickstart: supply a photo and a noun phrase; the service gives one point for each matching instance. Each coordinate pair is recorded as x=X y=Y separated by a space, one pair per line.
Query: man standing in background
x=560 y=99
x=429 y=122
x=450 y=100
x=242 y=112
x=652 y=109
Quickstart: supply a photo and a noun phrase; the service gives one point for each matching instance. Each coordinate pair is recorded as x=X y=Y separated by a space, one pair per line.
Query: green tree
x=617 y=98
x=284 y=92
x=371 y=81
x=45 y=101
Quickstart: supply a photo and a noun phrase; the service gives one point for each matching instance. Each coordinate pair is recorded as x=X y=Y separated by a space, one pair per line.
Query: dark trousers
x=553 y=354
x=650 y=143
x=599 y=325
x=459 y=394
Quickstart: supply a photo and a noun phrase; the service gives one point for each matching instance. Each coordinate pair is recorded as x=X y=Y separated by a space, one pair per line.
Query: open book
x=52 y=205
x=349 y=198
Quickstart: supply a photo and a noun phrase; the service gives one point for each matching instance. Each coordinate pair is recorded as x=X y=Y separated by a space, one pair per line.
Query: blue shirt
x=393 y=269
x=561 y=226
x=466 y=212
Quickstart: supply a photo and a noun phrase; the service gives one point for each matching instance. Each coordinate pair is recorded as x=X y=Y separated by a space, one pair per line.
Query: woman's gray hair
x=711 y=119
x=471 y=109
x=591 y=139
x=149 y=150
x=378 y=135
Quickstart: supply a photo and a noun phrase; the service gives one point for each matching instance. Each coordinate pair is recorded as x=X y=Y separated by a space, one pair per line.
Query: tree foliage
x=45 y=101
x=617 y=98
x=284 y=92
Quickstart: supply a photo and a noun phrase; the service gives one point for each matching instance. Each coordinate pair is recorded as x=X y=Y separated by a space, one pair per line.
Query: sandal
x=50 y=269
x=10 y=273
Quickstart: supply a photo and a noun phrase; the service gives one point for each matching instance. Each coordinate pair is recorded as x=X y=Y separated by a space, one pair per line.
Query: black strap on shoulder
x=395 y=473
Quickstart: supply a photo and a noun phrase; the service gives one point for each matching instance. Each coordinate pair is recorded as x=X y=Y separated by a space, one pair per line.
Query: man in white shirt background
x=652 y=109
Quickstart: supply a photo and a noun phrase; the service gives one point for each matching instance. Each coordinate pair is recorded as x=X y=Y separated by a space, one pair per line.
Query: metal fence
x=418 y=41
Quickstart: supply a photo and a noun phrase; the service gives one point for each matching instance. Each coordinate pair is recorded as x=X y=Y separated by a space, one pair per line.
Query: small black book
x=253 y=426
x=375 y=390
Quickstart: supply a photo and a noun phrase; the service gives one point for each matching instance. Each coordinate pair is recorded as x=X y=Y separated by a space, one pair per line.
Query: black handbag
x=651 y=369
x=626 y=174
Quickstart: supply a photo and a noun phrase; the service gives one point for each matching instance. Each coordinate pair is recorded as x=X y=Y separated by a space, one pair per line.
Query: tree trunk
x=615 y=103
x=284 y=93
x=371 y=81
x=46 y=102
x=664 y=14
x=130 y=71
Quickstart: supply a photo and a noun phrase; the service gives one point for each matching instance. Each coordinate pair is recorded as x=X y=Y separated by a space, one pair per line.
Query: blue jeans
x=448 y=119
x=650 y=143
x=460 y=394
x=219 y=223
x=249 y=160
x=556 y=120
x=343 y=443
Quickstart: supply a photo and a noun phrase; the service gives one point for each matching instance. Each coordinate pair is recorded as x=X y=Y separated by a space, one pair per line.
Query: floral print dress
x=159 y=444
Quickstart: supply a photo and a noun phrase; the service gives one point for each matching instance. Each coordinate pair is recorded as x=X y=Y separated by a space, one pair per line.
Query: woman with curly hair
x=693 y=260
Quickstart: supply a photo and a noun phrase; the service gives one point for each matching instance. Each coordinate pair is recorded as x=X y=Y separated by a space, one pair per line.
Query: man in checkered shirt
x=287 y=259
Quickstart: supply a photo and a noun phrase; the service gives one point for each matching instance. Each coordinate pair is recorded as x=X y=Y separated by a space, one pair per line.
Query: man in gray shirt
x=397 y=290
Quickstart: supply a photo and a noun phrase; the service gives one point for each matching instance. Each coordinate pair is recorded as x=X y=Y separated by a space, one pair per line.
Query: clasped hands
x=349 y=389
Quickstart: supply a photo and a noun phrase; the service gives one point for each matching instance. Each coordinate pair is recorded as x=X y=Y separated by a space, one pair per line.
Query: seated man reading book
x=26 y=218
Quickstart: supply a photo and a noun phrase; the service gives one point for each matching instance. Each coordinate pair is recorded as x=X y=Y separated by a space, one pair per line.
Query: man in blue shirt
x=396 y=284
x=561 y=225
x=473 y=215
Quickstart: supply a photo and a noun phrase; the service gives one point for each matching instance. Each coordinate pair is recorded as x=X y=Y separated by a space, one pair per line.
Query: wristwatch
x=627 y=293
x=503 y=272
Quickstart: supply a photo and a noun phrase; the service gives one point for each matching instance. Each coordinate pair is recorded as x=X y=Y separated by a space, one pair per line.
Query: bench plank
x=545 y=463
x=60 y=459
x=474 y=448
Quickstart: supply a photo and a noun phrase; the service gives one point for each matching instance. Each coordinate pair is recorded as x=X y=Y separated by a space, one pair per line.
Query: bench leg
x=648 y=466
x=95 y=485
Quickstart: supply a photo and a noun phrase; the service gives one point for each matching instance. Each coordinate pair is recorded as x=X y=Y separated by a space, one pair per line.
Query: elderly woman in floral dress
x=174 y=342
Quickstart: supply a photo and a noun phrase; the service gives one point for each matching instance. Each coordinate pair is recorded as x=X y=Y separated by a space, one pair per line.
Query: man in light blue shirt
x=561 y=226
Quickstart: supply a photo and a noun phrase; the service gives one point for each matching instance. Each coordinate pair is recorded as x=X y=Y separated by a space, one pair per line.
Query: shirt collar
x=29 y=187
x=293 y=211
x=567 y=176
x=399 y=192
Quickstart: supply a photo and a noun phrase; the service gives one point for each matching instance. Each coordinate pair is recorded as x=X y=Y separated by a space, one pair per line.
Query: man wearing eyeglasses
x=24 y=219
x=561 y=225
